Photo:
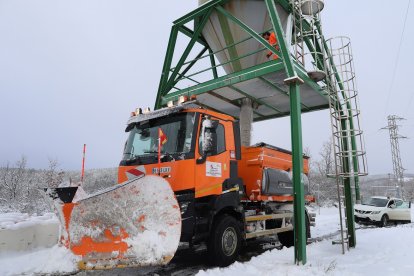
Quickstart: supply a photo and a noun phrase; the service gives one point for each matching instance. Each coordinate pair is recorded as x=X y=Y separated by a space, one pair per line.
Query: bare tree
x=13 y=178
x=53 y=176
x=326 y=165
x=324 y=186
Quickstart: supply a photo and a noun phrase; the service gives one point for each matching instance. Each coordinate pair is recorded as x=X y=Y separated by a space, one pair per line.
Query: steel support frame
x=195 y=15
x=284 y=63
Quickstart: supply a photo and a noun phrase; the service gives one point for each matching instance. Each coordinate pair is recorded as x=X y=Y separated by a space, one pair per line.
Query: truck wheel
x=225 y=241
x=384 y=221
x=287 y=239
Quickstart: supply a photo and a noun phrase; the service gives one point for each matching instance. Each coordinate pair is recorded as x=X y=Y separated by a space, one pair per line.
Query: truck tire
x=384 y=221
x=225 y=241
x=287 y=239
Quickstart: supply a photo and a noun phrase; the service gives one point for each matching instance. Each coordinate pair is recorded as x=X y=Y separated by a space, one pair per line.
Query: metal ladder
x=331 y=61
x=347 y=136
x=297 y=39
x=305 y=38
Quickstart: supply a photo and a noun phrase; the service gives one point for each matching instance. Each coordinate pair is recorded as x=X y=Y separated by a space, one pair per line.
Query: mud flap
x=137 y=223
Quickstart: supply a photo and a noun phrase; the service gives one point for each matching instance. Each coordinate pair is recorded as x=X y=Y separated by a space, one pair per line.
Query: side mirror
x=208 y=139
x=392 y=206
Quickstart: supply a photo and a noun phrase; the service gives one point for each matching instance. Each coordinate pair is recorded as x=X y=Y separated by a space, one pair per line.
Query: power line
x=398 y=58
x=409 y=103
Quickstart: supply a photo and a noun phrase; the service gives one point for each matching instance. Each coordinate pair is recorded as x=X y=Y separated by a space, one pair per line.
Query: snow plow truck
x=184 y=177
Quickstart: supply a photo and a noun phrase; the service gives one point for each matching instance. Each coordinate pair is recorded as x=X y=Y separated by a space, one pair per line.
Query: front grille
x=362 y=212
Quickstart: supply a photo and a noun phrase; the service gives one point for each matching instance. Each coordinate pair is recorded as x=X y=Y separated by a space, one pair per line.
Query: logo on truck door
x=162 y=169
x=213 y=169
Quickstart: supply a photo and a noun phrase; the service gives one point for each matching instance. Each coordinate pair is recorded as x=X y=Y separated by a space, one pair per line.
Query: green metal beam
x=200 y=11
x=213 y=63
x=230 y=79
x=285 y=4
x=281 y=38
x=171 y=82
x=182 y=74
x=184 y=30
x=166 y=67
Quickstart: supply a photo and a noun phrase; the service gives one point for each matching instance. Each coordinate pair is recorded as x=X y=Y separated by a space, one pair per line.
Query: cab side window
x=221 y=139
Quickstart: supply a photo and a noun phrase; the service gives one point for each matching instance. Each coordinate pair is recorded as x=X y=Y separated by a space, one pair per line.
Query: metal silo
x=220 y=32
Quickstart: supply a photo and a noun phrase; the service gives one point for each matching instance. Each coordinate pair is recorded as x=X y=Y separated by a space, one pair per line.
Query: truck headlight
x=375 y=212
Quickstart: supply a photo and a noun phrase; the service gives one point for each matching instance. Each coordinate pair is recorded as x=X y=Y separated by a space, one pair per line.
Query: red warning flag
x=162 y=137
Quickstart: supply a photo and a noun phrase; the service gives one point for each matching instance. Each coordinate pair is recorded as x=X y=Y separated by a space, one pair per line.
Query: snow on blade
x=143 y=219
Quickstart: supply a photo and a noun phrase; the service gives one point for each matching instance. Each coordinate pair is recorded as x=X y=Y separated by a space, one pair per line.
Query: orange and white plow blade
x=137 y=223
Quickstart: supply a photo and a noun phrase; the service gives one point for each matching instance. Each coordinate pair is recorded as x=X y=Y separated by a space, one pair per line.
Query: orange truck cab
x=216 y=181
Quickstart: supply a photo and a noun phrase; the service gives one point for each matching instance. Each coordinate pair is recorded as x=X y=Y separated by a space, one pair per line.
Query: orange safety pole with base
x=83 y=163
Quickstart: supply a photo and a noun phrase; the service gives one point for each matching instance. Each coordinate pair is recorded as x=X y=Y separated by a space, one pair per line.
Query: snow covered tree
x=13 y=190
x=52 y=177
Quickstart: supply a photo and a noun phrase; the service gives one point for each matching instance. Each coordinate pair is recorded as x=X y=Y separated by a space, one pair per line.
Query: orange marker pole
x=159 y=153
x=83 y=162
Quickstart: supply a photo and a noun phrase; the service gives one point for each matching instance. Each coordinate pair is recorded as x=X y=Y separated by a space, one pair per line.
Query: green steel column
x=166 y=67
x=349 y=205
x=349 y=212
x=298 y=190
x=296 y=136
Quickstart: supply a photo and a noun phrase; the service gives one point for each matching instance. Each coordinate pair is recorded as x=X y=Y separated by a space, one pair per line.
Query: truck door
x=212 y=156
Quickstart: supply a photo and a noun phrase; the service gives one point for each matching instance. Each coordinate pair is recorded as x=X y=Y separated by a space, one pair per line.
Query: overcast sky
x=72 y=71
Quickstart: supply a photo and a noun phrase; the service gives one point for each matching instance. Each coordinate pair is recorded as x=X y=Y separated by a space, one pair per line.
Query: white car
x=381 y=210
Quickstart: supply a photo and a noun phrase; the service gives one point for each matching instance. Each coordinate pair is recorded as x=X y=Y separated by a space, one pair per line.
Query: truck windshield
x=143 y=137
x=378 y=202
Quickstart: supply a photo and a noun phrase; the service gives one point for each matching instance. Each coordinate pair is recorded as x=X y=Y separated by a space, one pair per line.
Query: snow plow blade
x=136 y=223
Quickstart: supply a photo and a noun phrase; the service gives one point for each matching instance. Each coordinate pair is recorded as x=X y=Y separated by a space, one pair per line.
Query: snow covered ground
x=48 y=260
x=379 y=251
x=18 y=220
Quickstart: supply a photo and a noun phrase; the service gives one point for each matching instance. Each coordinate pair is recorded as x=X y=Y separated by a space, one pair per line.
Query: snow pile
x=379 y=251
x=57 y=259
x=19 y=220
x=327 y=222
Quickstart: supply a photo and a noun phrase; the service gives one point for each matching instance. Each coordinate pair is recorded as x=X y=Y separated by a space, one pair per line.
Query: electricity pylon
x=395 y=152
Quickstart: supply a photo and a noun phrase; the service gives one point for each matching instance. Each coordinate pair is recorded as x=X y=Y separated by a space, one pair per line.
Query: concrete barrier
x=29 y=234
